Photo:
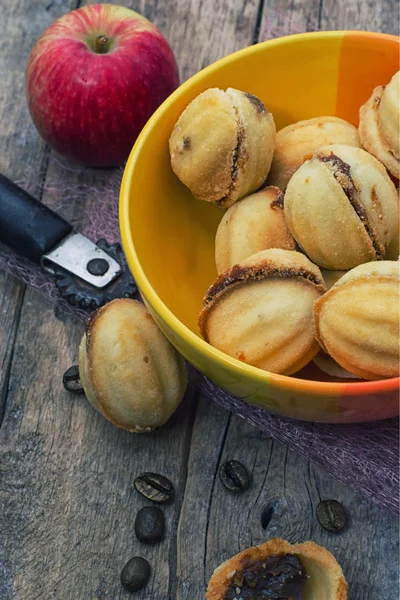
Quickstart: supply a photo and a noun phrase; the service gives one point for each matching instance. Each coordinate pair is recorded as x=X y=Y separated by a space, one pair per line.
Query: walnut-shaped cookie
x=277 y=569
x=254 y=223
x=379 y=126
x=298 y=142
x=357 y=321
x=342 y=207
x=129 y=370
x=260 y=311
x=222 y=145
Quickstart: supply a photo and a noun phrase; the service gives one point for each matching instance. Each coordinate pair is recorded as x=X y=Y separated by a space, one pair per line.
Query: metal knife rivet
x=97 y=266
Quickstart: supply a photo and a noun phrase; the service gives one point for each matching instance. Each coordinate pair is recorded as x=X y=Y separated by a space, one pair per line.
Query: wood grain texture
x=362 y=15
x=223 y=523
x=23 y=155
x=11 y=296
x=288 y=17
x=66 y=475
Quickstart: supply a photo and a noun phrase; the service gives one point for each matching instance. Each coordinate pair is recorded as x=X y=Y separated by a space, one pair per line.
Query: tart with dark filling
x=278 y=570
x=342 y=208
x=222 y=145
x=260 y=311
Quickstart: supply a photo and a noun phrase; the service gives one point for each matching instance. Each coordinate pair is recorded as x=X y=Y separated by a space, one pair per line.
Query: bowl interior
x=297 y=77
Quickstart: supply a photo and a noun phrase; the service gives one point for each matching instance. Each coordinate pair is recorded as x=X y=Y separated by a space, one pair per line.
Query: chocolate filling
x=278 y=577
x=241 y=274
x=279 y=200
x=256 y=102
x=235 y=160
x=341 y=172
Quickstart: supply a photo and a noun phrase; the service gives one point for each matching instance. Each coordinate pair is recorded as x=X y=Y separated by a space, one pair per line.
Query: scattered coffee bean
x=150 y=524
x=72 y=381
x=234 y=476
x=155 y=487
x=331 y=515
x=135 y=574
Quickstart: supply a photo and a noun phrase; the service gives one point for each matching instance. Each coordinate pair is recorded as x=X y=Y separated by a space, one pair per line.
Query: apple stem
x=101 y=44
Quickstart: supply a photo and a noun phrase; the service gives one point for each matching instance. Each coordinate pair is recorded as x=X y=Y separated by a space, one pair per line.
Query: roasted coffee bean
x=150 y=524
x=234 y=476
x=331 y=515
x=155 y=487
x=72 y=381
x=135 y=574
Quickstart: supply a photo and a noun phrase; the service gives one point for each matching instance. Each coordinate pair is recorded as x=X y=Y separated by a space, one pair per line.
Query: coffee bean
x=331 y=515
x=150 y=524
x=234 y=476
x=155 y=487
x=135 y=574
x=72 y=381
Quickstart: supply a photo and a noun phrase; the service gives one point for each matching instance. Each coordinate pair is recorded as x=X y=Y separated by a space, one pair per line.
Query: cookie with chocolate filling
x=358 y=320
x=222 y=145
x=279 y=570
x=254 y=223
x=379 y=126
x=342 y=208
x=260 y=311
x=298 y=142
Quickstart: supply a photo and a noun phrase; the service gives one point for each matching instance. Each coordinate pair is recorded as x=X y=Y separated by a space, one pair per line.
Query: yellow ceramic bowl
x=168 y=236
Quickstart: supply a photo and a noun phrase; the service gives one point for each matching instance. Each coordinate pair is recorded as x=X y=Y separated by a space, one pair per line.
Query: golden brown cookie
x=298 y=142
x=222 y=145
x=379 y=126
x=260 y=311
x=254 y=223
x=327 y=365
x=357 y=320
x=294 y=571
x=129 y=370
x=342 y=207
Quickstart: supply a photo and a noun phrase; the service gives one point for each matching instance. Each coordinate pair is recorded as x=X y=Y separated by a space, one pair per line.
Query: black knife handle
x=27 y=225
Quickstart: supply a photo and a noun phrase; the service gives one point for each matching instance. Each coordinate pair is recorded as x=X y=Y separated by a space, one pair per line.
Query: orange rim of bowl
x=285 y=382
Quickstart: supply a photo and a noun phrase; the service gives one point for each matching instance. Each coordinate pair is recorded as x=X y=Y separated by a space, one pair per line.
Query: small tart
x=342 y=207
x=298 y=142
x=379 y=126
x=221 y=147
x=130 y=372
x=254 y=223
x=325 y=579
x=357 y=321
x=260 y=311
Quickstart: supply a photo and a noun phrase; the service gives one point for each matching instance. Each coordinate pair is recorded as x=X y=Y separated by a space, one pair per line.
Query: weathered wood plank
x=295 y=16
x=221 y=524
x=66 y=474
x=363 y=15
x=288 y=16
x=23 y=155
x=11 y=296
x=291 y=488
x=201 y=32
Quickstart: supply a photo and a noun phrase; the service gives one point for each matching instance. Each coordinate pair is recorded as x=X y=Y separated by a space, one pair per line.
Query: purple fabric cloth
x=364 y=456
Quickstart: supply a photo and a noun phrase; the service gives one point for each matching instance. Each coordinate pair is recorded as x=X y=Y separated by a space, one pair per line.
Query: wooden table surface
x=67 y=503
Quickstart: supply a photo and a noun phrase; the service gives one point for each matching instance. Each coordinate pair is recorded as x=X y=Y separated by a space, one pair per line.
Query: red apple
x=94 y=78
